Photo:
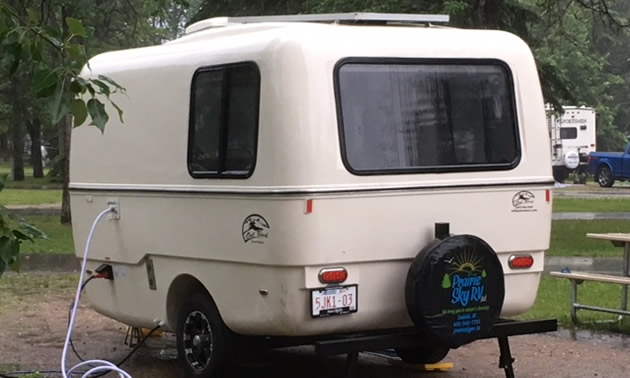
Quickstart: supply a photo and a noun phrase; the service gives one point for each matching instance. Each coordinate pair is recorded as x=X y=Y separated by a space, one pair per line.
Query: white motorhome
x=284 y=177
x=573 y=137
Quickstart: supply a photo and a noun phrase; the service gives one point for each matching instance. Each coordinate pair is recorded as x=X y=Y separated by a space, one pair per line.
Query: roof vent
x=215 y=22
x=344 y=18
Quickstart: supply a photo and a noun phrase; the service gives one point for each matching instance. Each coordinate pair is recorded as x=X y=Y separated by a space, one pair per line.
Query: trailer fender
x=182 y=287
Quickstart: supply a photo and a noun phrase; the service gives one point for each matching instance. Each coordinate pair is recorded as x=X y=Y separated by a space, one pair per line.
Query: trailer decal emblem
x=255 y=227
x=466 y=279
x=523 y=201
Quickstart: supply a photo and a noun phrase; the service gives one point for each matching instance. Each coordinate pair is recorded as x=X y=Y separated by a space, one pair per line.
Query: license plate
x=338 y=300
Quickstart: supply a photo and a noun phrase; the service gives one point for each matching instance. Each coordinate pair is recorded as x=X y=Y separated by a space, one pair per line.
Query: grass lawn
x=607 y=205
x=17 y=291
x=29 y=181
x=554 y=301
x=60 y=236
x=29 y=196
x=568 y=237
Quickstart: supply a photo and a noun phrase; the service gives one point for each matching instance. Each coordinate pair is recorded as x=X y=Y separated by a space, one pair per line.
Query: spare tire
x=455 y=289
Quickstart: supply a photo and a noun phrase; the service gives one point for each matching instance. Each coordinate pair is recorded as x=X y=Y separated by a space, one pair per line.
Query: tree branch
x=13 y=14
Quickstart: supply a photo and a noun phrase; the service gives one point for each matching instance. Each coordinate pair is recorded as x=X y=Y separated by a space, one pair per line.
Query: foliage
x=22 y=39
x=580 y=46
x=44 y=47
x=49 y=56
x=13 y=231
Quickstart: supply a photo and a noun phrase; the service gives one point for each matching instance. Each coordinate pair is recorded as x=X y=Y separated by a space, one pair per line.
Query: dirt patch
x=32 y=333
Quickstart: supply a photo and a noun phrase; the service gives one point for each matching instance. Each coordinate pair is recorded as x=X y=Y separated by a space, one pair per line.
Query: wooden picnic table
x=618 y=240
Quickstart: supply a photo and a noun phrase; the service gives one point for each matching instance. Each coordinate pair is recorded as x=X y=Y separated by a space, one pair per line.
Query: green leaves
x=76 y=27
x=110 y=81
x=9 y=250
x=13 y=231
x=95 y=108
x=14 y=56
x=103 y=88
x=58 y=105
x=98 y=114
x=44 y=83
x=79 y=111
x=22 y=40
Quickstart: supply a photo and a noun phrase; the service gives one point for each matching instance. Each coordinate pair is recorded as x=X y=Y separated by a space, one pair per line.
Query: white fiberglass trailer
x=573 y=137
x=280 y=178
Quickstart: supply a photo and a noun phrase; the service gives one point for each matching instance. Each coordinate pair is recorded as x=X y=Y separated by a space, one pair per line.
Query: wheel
x=560 y=174
x=423 y=355
x=200 y=336
x=581 y=175
x=604 y=177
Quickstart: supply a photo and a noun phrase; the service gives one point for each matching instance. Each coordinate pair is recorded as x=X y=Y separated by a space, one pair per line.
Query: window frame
x=573 y=131
x=426 y=169
x=224 y=68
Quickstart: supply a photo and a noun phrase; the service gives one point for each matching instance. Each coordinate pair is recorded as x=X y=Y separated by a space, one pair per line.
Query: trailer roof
x=347 y=18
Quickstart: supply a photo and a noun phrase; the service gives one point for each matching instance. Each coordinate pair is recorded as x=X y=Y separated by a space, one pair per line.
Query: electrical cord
x=131 y=352
x=70 y=314
x=16 y=374
x=97 y=368
x=94 y=366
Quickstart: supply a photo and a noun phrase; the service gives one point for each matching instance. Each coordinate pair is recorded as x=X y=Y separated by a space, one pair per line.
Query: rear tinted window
x=415 y=116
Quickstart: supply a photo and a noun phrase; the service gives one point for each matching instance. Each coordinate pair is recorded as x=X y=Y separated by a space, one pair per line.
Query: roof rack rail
x=346 y=18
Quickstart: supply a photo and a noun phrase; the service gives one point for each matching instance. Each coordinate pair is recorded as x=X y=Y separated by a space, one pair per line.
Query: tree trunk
x=4 y=146
x=35 y=132
x=17 y=132
x=17 y=151
x=65 y=130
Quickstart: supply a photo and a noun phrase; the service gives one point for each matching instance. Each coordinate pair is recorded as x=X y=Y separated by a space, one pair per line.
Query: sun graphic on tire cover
x=466 y=262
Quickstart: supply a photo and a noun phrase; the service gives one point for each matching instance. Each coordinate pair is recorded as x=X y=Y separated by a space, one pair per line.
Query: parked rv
x=305 y=177
x=573 y=137
x=608 y=167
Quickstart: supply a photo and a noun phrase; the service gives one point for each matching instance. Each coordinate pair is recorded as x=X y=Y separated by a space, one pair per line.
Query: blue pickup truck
x=607 y=167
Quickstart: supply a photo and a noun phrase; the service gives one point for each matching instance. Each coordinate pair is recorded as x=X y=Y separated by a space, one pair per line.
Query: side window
x=413 y=116
x=224 y=121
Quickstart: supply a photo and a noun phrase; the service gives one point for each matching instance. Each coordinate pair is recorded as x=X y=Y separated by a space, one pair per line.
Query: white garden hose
x=95 y=366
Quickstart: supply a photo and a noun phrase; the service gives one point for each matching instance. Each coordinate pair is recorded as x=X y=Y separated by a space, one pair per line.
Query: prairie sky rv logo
x=466 y=279
x=523 y=201
x=255 y=228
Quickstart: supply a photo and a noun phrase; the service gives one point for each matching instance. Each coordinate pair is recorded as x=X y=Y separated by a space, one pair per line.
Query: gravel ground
x=32 y=338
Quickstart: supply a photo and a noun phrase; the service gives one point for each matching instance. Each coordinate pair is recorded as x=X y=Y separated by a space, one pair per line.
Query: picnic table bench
x=577 y=278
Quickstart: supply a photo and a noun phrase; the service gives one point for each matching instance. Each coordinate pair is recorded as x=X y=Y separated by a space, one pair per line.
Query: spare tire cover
x=455 y=289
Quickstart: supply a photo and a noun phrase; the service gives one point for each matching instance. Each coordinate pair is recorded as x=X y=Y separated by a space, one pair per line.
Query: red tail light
x=521 y=261
x=333 y=275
